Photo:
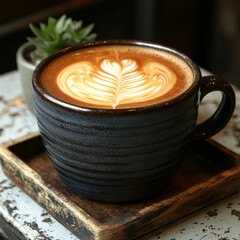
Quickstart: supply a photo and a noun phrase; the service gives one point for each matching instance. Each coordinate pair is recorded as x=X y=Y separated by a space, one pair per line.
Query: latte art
x=115 y=82
x=116 y=77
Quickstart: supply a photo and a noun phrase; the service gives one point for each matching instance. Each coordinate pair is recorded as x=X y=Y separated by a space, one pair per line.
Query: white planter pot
x=26 y=69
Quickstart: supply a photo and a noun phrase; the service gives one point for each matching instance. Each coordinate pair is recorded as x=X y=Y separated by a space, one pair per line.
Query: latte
x=116 y=77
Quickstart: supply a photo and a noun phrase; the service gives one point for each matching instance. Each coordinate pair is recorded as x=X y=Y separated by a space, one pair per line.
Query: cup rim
x=153 y=107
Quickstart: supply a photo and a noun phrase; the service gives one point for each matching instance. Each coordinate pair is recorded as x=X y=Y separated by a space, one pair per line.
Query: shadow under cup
x=120 y=155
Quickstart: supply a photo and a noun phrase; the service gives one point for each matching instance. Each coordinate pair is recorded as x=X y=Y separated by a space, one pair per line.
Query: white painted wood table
x=219 y=221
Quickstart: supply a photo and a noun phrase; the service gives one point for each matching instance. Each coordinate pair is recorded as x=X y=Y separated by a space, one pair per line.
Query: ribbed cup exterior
x=116 y=155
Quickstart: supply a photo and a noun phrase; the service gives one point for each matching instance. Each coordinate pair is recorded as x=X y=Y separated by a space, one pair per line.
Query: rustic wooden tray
x=208 y=173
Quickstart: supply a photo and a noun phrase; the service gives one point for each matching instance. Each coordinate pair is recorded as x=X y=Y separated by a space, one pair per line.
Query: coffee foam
x=120 y=77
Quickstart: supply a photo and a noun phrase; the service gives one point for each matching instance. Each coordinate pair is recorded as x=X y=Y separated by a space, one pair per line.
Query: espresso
x=116 y=77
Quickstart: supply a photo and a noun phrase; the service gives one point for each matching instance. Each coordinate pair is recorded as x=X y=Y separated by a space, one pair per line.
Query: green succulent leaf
x=41 y=35
x=43 y=27
x=34 y=41
x=60 y=25
x=58 y=34
x=91 y=37
x=85 y=31
x=77 y=25
x=51 y=23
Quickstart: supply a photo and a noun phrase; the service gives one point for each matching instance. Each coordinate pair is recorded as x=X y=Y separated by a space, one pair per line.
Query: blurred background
x=208 y=31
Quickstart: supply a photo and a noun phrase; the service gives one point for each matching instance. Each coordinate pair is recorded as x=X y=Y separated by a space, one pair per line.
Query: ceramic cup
x=120 y=155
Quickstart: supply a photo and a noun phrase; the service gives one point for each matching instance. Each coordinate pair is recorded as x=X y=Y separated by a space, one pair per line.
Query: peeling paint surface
x=15 y=206
x=27 y=216
x=216 y=222
x=220 y=221
x=15 y=120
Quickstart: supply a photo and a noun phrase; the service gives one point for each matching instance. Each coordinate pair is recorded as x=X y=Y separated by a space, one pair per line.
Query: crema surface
x=116 y=77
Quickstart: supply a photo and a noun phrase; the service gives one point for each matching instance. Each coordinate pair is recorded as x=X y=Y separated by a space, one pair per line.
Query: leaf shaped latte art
x=115 y=83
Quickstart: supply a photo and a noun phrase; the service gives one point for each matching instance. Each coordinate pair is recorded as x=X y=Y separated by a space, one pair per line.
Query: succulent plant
x=58 y=34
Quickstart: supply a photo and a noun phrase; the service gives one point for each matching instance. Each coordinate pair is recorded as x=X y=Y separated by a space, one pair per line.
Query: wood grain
x=208 y=173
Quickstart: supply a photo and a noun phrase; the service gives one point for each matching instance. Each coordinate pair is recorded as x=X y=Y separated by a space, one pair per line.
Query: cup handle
x=224 y=111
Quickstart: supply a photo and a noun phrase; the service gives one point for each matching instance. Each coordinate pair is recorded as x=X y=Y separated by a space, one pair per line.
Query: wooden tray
x=208 y=173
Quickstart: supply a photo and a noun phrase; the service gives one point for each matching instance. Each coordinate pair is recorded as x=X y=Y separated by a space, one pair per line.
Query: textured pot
x=125 y=154
x=26 y=69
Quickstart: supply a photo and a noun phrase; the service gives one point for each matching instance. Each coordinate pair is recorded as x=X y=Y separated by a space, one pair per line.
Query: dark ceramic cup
x=123 y=155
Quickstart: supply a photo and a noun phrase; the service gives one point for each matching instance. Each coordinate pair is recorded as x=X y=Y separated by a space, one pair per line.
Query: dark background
x=208 y=31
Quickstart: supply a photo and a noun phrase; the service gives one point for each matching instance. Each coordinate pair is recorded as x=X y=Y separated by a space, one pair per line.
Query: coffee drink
x=116 y=76
x=117 y=116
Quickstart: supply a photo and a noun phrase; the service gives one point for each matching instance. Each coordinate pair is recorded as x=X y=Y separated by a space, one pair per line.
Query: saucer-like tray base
x=208 y=173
